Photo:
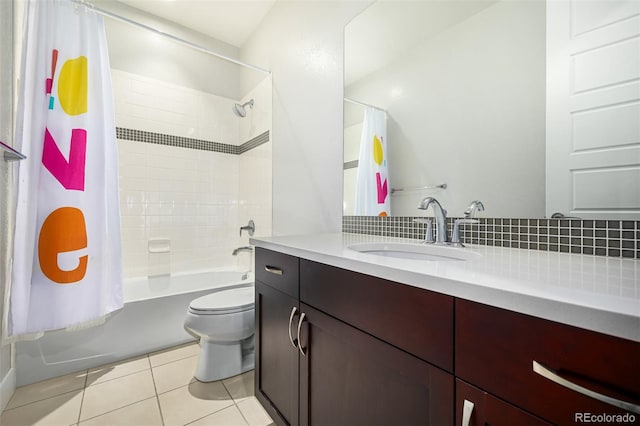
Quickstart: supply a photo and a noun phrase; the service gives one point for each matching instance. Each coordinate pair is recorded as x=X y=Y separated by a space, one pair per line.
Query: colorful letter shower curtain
x=372 y=189
x=67 y=263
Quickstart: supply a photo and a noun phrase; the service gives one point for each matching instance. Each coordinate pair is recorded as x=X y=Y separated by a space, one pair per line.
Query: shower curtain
x=67 y=266
x=372 y=187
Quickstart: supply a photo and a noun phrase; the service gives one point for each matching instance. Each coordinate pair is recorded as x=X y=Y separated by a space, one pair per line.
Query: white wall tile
x=194 y=198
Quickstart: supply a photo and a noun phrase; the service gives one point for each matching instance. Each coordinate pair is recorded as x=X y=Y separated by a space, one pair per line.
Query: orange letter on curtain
x=63 y=230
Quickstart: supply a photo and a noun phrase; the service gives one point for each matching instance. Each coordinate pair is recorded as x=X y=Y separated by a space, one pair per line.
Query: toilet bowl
x=224 y=321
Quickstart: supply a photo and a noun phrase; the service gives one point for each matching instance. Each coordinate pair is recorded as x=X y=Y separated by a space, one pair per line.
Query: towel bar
x=11 y=154
x=441 y=186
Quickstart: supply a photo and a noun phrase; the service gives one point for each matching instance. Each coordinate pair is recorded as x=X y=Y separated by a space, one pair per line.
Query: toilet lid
x=226 y=301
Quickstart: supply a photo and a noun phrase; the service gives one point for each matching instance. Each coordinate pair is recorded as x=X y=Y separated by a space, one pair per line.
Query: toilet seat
x=224 y=302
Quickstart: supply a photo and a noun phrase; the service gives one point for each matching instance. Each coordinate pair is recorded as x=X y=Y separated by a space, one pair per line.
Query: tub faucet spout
x=239 y=249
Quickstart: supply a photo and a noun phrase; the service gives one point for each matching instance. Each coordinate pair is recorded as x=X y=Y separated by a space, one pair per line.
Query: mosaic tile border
x=254 y=143
x=182 y=142
x=614 y=238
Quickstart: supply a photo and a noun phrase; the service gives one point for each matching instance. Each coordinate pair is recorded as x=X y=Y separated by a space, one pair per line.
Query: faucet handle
x=476 y=205
x=455 y=238
x=251 y=228
x=428 y=236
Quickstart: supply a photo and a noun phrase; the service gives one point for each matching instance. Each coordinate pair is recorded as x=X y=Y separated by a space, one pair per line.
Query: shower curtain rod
x=169 y=36
x=363 y=104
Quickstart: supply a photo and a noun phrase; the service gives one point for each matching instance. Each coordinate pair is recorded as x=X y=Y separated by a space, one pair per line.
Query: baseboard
x=7 y=387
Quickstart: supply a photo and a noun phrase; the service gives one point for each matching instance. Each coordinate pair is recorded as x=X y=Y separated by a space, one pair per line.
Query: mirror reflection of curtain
x=372 y=187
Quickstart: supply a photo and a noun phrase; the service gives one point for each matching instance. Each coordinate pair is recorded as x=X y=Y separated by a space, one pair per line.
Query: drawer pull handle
x=467 y=410
x=273 y=270
x=302 y=350
x=294 y=343
x=554 y=377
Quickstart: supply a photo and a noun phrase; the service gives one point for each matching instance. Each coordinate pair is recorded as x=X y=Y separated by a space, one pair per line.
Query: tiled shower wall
x=614 y=238
x=189 y=194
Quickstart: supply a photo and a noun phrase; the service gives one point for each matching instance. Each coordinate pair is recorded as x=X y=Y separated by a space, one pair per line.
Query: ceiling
x=384 y=31
x=231 y=21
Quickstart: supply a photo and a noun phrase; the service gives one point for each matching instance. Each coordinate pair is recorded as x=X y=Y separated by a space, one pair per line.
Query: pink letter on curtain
x=70 y=174
x=382 y=189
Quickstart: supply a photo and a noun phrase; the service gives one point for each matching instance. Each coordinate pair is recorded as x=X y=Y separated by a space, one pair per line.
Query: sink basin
x=415 y=251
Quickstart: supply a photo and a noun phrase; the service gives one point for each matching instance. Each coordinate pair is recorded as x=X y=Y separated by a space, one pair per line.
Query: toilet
x=224 y=322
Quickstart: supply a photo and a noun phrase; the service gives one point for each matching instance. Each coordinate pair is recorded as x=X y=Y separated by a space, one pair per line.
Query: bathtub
x=152 y=319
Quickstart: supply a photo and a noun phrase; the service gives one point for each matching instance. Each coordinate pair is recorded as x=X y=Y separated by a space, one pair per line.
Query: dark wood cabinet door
x=348 y=377
x=276 y=371
x=489 y=410
x=502 y=352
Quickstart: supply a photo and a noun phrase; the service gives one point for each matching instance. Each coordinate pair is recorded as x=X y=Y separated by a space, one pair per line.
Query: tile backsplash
x=614 y=238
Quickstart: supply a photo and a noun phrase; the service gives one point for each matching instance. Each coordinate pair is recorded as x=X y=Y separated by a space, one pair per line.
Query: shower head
x=240 y=110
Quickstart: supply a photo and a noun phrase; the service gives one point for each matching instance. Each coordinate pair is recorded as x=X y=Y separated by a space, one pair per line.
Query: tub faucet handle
x=251 y=228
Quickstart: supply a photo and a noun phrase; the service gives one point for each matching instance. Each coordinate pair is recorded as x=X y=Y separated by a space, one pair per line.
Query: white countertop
x=592 y=292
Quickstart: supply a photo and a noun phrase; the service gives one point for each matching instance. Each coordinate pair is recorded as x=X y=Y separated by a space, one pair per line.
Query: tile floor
x=153 y=389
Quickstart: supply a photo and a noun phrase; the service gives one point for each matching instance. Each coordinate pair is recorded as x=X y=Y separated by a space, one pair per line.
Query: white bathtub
x=152 y=319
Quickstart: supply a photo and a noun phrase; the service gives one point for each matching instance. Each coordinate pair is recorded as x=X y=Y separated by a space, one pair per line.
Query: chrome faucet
x=239 y=249
x=441 y=218
x=475 y=205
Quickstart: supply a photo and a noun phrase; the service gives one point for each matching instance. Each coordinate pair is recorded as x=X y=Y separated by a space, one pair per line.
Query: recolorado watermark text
x=603 y=418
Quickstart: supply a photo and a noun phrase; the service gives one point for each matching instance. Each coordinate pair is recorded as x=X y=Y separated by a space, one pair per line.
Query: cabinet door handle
x=294 y=343
x=467 y=410
x=302 y=350
x=273 y=270
x=554 y=377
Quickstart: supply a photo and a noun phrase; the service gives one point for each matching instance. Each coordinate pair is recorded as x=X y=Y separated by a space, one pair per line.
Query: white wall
x=352 y=135
x=7 y=202
x=467 y=108
x=302 y=44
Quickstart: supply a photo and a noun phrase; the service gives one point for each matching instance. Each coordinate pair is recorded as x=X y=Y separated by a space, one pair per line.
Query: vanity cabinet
x=520 y=359
x=483 y=409
x=369 y=351
x=336 y=347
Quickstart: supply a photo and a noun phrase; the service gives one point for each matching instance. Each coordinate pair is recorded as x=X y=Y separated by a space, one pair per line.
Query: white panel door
x=593 y=108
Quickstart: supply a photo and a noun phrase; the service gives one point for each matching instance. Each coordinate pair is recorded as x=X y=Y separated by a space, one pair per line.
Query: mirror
x=464 y=85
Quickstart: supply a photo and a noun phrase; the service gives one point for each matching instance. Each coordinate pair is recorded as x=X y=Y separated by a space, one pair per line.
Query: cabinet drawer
x=415 y=320
x=278 y=270
x=496 y=350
